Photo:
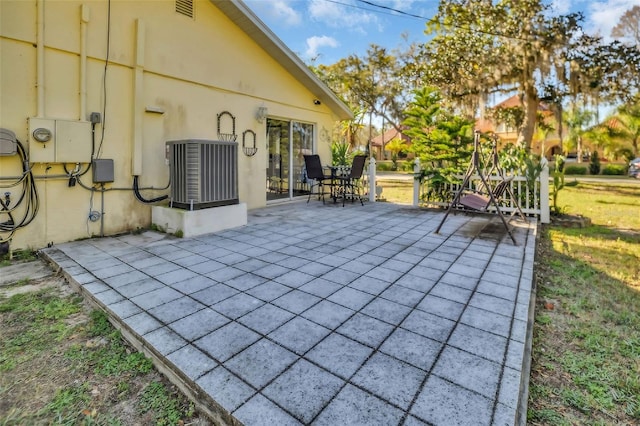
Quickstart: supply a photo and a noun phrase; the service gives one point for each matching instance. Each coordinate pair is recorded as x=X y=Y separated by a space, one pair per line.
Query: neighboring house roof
x=388 y=136
x=243 y=17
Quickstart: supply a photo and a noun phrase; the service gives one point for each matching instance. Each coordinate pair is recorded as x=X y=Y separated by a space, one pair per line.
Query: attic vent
x=185 y=7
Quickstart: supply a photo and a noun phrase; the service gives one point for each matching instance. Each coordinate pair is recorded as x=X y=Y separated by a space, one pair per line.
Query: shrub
x=614 y=170
x=594 y=164
x=575 y=170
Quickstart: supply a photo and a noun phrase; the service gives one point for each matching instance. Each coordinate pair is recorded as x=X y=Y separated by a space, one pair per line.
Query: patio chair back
x=314 y=167
x=357 y=166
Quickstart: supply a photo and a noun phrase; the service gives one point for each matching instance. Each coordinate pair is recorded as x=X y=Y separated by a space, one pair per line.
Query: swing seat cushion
x=475 y=201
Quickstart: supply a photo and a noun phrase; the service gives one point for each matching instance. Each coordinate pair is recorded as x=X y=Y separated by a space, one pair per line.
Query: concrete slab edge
x=202 y=401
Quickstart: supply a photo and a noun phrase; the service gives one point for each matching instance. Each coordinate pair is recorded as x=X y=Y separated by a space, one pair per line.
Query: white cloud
x=339 y=16
x=602 y=16
x=316 y=42
x=285 y=13
x=560 y=7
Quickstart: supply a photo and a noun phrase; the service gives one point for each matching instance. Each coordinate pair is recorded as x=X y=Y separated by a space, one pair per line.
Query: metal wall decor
x=249 y=150
x=227 y=137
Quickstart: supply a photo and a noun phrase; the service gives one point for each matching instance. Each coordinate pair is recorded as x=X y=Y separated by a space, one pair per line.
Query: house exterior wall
x=167 y=78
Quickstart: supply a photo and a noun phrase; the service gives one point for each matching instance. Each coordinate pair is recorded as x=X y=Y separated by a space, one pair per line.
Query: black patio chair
x=314 y=170
x=350 y=184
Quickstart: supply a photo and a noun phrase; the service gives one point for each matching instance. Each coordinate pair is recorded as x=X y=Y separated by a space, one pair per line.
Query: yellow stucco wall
x=191 y=69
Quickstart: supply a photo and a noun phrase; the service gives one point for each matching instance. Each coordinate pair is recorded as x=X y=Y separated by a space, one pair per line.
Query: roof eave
x=241 y=15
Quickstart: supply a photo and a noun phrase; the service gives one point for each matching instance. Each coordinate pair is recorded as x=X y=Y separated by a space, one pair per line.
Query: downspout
x=40 y=58
x=138 y=95
x=84 y=19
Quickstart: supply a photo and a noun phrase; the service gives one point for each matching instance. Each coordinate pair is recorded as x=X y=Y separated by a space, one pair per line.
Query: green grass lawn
x=586 y=348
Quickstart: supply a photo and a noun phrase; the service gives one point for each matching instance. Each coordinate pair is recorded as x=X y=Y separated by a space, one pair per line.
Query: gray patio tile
x=238 y=305
x=96 y=287
x=339 y=355
x=417 y=283
x=251 y=264
x=216 y=252
x=272 y=257
x=519 y=331
x=428 y=325
x=497 y=277
x=509 y=392
x=299 y=335
x=109 y=297
x=227 y=341
x=191 y=361
x=351 y=298
x=175 y=253
x=328 y=314
x=402 y=295
x=224 y=274
x=160 y=268
x=412 y=259
x=522 y=311
x=142 y=323
x=369 y=285
x=497 y=290
x=426 y=273
x=357 y=266
x=479 y=342
x=441 y=307
x=156 y=297
x=315 y=269
x=468 y=258
x=410 y=347
x=124 y=279
x=443 y=403
x=392 y=380
x=371 y=259
x=176 y=309
x=366 y=330
x=212 y=295
x=504 y=416
x=293 y=262
x=385 y=274
x=469 y=371
x=332 y=259
x=355 y=407
x=225 y=388
x=296 y=301
x=492 y=304
x=270 y=271
x=165 y=340
x=457 y=280
x=261 y=362
x=487 y=321
x=190 y=260
x=198 y=324
x=269 y=291
x=457 y=294
x=260 y=411
x=472 y=273
x=266 y=318
x=206 y=267
x=124 y=309
x=437 y=264
x=341 y=276
x=111 y=270
x=245 y=282
x=294 y=279
x=303 y=390
x=413 y=421
x=193 y=284
x=397 y=265
x=176 y=276
x=386 y=310
x=232 y=258
x=321 y=287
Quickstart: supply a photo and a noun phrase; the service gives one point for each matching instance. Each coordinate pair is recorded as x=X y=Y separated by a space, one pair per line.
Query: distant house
x=379 y=142
x=94 y=91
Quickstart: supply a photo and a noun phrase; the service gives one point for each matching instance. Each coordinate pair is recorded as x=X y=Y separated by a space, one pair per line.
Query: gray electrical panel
x=8 y=144
x=102 y=171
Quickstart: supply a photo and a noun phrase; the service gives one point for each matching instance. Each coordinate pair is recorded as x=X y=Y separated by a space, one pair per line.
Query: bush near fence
x=614 y=170
x=575 y=170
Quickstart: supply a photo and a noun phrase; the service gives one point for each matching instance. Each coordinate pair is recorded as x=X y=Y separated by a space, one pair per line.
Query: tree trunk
x=530 y=103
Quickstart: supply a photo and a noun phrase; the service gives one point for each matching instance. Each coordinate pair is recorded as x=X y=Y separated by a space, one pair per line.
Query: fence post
x=544 y=192
x=372 y=179
x=416 y=183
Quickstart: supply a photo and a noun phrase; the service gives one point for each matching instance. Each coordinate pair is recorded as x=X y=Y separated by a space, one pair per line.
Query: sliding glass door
x=288 y=142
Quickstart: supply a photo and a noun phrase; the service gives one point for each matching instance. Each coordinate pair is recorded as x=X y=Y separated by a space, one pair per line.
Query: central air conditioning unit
x=203 y=173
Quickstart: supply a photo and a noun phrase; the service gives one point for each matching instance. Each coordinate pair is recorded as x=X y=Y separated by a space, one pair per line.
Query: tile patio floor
x=318 y=314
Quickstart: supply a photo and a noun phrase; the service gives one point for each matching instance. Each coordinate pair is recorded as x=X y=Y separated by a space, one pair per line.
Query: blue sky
x=329 y=30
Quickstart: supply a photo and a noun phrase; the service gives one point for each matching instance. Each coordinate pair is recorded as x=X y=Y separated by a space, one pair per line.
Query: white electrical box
x=59 y=141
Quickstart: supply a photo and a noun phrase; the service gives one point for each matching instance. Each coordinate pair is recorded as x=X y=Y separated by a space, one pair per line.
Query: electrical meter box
x=102 y=170
x=59 y=141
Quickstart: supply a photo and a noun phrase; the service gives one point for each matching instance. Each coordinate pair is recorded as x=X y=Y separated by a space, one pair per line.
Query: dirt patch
x=54 y=369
